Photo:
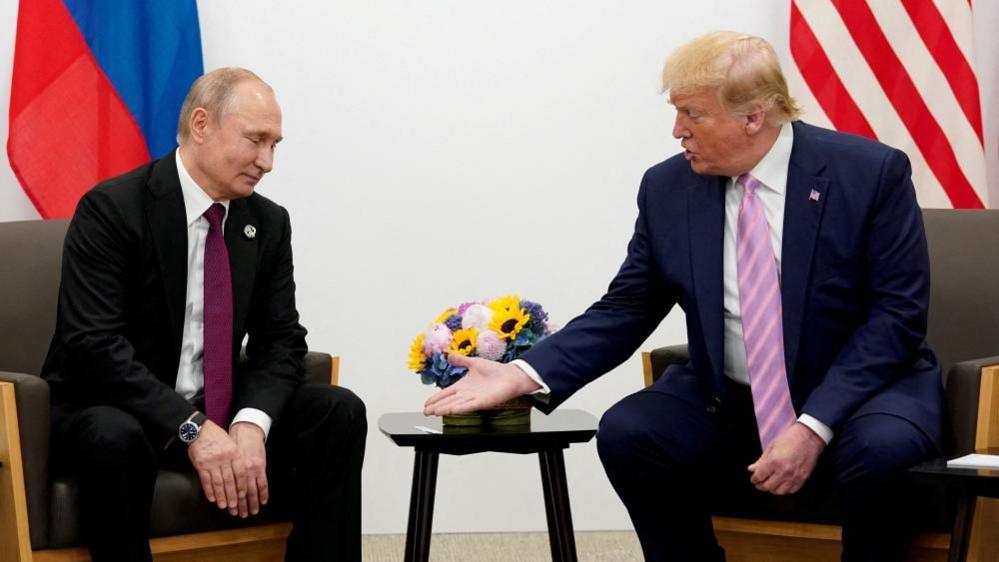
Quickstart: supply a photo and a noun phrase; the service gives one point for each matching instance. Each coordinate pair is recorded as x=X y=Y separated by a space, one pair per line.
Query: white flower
x=477 y=316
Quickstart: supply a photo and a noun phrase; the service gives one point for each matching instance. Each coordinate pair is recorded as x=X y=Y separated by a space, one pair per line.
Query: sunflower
x=417 y=360
x=464 y=341
x=507 y=303
x=445 y=315
x=509 y=323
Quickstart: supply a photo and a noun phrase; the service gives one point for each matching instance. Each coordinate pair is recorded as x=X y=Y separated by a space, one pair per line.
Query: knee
x=114 y=438
x=877 y=447
x=340 y=408
x=621 y=435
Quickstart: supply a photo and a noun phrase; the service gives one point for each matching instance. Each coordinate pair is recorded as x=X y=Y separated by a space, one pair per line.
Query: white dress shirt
x=771 y=171
x=190 y=372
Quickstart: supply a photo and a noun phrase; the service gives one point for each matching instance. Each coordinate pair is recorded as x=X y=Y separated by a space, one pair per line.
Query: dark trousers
x=314 y=457
x=671 y=459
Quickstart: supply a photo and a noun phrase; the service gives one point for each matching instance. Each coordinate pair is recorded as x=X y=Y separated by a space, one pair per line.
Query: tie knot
x=215 y=214
x=748 y=182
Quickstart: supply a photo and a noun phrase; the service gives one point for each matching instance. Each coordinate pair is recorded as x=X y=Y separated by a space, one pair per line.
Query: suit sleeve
x=276 y=346
x=611 y=329
x=898 y=288
x=93 y=316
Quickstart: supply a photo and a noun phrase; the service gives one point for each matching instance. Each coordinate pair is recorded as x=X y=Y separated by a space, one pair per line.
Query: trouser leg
x=316 y=451
x=115 y=467
x=870 y=458
x=665 y=456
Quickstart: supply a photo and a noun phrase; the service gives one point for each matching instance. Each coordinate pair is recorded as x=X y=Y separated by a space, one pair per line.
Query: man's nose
x=680 y=130
x=265 y=159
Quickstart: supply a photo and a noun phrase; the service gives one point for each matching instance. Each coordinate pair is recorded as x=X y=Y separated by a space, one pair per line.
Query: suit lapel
x=168 y=225
x=806 y=196
x=242 y=248
x=706 y=206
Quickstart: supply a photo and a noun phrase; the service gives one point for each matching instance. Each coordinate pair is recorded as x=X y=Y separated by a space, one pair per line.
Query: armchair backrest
x=29 y=287
x=964 y=281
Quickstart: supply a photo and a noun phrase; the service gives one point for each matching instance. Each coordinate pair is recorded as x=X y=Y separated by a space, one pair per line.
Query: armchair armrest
x=655 y=362
x=322 y=368
x=973 y=405
x=31 y=419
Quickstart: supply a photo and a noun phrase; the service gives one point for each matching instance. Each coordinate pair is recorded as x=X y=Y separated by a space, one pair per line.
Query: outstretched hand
x=486 y=384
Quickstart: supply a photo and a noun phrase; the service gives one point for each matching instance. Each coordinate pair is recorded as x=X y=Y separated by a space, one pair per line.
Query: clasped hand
x=787 y=463
x=232 y=467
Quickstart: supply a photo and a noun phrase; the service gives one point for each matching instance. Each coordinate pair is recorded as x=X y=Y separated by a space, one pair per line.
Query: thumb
x=460 y=360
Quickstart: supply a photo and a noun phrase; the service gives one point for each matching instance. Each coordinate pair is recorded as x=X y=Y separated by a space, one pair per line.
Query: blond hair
x=215 y=92
x=744 y=69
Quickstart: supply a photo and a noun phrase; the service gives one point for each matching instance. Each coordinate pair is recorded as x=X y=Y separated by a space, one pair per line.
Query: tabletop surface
x=413 y=429
x=984 y=480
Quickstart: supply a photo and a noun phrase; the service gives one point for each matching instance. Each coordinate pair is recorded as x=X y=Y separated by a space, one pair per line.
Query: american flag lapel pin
x=814 y=196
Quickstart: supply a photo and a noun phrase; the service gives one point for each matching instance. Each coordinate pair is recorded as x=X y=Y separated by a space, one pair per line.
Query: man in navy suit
x=826 y=377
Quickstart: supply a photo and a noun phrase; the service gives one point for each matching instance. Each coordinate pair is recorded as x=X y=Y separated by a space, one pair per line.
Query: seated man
x=799 y=257
x=166 y=269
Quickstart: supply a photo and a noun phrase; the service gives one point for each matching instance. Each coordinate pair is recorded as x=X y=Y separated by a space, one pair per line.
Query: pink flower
x=490 y=346
x=437 y=340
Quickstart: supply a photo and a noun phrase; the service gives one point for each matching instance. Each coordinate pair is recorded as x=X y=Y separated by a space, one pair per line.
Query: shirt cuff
x=257 y=417
x=820 y=429
x=541 y=393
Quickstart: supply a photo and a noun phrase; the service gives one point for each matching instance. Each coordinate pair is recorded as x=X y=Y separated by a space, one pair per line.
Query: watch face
x=188 y=431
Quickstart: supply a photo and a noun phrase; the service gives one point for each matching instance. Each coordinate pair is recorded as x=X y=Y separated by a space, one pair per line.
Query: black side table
x=546 y=436
x=969 y=484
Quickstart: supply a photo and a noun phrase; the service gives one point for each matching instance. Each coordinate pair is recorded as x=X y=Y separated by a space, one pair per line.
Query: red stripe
x=941 y=44
x=822 y=79
x=908 y=103
x=68 y=127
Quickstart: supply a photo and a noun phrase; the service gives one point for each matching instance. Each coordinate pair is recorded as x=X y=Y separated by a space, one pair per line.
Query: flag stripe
x=824 y=82
x=943 y=48
x=907 y=101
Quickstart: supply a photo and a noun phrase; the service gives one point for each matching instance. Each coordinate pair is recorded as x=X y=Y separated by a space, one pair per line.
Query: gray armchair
x=963 y=326
x=39 y=519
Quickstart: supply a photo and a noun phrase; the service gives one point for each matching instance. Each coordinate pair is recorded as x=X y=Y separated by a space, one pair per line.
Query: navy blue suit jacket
x=854 y=285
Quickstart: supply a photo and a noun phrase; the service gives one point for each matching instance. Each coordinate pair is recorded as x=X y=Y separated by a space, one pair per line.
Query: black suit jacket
x=123 y=294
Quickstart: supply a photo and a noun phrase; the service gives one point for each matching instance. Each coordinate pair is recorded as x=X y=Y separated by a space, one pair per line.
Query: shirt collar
x=772 y=169
x=196 y=201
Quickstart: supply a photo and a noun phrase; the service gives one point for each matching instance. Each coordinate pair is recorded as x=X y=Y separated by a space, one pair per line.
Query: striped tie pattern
x=762 y=329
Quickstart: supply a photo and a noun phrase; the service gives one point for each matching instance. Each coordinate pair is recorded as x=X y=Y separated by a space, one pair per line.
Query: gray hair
x=215 y=92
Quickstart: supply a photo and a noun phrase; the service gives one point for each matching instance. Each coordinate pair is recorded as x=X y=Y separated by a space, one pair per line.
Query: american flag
x=902 y=72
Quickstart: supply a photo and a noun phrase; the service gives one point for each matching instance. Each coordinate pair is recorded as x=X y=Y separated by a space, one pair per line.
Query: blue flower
x=453 y=322
x=538 y=316
x=441 y=372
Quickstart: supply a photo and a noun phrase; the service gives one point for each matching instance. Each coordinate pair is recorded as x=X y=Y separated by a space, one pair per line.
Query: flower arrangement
x=500 y=329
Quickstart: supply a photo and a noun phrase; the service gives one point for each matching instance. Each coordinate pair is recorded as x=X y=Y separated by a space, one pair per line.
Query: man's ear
x=755 y=121
x=199 y=124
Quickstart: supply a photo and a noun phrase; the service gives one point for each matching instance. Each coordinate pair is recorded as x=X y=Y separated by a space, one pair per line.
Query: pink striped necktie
x=762 y=328
x=218 y=320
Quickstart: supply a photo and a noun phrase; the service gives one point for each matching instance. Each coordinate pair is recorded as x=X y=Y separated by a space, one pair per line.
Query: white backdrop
x=448 y=150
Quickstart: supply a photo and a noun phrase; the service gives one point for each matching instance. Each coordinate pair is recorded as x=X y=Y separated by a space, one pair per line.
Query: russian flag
x=96 y=91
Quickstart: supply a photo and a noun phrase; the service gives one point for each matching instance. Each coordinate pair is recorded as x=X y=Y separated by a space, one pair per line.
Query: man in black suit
x=166 y=270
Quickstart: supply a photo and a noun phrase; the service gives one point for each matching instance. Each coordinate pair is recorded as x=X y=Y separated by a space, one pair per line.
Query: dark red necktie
x=218 y=320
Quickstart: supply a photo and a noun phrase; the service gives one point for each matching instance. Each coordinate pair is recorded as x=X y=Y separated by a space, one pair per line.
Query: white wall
x=448 y=150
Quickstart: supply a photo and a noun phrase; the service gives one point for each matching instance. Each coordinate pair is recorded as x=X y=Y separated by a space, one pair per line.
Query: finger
x=457 y=404
x=239 y=471
x=438 y=396
x=206 y=484
x=230 y=488
x=218 y=487
x=263 y=488
x=242 y=509
x=252 y=497
x=459 y=360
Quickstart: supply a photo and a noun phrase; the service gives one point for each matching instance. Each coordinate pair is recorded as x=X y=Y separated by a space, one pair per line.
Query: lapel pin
x=814 y=196
x=250 y=231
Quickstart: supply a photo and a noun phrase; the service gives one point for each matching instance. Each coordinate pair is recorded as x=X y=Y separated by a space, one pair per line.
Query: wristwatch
x=191 y=428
